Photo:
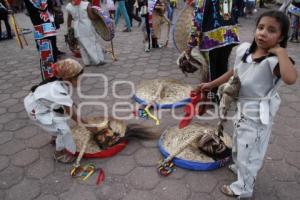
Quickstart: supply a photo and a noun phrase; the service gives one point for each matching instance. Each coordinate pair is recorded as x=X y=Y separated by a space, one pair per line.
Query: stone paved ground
x=27 y=170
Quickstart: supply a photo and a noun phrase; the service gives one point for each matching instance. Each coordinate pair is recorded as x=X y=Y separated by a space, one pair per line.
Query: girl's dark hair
x=33 y=88
x=284 y=22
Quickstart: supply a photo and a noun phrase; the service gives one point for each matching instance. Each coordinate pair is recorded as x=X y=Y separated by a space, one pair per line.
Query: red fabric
x=100 y=177
x=191 y=109
x=108 y=152
x=96 y=3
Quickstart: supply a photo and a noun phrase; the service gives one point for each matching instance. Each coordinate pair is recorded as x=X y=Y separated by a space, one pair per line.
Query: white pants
x=250 y=142
x=62 y=131
x=91 y=50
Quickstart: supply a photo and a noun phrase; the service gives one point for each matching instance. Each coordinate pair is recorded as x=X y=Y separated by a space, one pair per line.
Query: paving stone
x=7 y=117
x=200 y=196
x=288 y=191
x=16 y=108
x=281 y=171
x=179 y=173
x=289 y=144
x=291 y=97
x=5 y=86
x=149 y=76
x=2 y=110
x=163 y=74
x=78 y=192
x=9 y=102
x=10 y=176
x=15 y=125
x=20 y=94
x=147 y=156
x=47 y=197
x=112 y=191
x=144 y=178
x=293 y=122
x=57 y=183
x=138 y=195
x=149 y=143
x=195 y=180
x=286 y=111
x=293 y=158
x=26 y=132
x=172 y=190
x=26 y=190
x=132 y=147
x=39 y=140
x=275 y=152
x=12 y=147
x=263 y=185
x=41 y=168
x=295 y=106
x=2 y=194
x=5 y=136
x=120 y=165
x=4 y=162
x=25 y=157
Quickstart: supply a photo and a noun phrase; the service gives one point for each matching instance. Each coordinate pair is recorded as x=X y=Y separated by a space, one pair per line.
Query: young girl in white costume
x=49 y=104
x=261 y=67
x=80 y=13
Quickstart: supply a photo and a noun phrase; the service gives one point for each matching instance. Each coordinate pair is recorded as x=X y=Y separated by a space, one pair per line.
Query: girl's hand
x=204 y=87
x=276 y=50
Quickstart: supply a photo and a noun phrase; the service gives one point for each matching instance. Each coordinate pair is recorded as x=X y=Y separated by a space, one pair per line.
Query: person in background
x=121 y=10
x=130 y=10
x=214 y=32
x=80 y=13
x=294 y=12
x=44 y=33
x=56 y=9
x=4 y=11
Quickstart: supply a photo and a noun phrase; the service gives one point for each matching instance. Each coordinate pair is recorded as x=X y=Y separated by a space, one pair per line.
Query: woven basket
x=191 y=157
x=92 y=150
x=174 y=93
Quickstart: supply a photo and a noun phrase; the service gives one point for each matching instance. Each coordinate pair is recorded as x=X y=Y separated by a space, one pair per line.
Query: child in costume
x=261 y=66
x=80 y=13
x=49 y=104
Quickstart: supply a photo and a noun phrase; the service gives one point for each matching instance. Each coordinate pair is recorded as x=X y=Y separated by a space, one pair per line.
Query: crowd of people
x=214 y=33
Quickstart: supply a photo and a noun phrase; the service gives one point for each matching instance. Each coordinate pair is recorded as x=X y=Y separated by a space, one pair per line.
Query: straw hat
x=67 y=68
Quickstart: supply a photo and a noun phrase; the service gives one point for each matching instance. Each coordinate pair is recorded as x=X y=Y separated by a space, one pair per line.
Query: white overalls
x=257 y=105
x=40 y=106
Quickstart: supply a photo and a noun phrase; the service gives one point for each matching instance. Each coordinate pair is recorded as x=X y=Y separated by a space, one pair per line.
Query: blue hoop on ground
x=191 y=165
x=163 y=106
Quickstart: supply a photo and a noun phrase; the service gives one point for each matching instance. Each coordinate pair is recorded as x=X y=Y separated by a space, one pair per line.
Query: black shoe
x=60 y=53
x=9 y=37
x=126 y=30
